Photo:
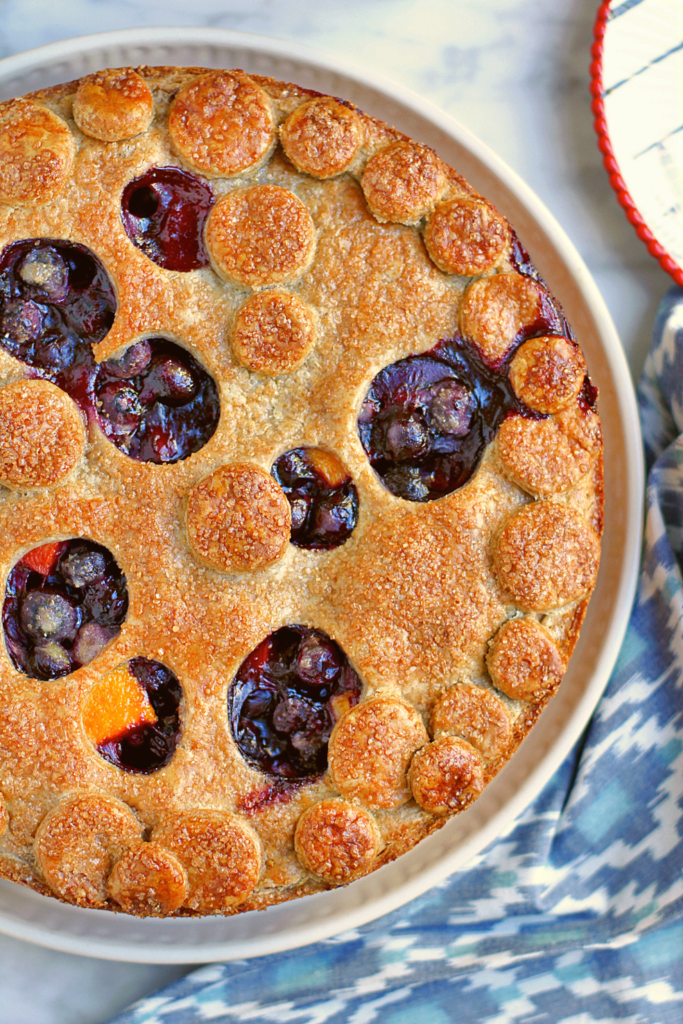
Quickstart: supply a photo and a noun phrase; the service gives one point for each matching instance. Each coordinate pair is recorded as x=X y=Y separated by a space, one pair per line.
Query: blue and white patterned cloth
x=575 y=914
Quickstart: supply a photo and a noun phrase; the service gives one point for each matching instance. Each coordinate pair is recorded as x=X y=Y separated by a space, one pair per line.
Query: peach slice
x=115 y=705
x=43 y=559
x=328 y=466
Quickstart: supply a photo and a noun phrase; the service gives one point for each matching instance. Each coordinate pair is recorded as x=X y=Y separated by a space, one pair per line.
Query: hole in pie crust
x=322 y=497
x=132 y=716
x=64 y=602
x=427 y=419
x=286 y=698
x=163 y=214
x=155 y=402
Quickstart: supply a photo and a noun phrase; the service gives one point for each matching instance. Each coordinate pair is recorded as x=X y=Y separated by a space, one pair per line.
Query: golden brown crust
x=274 y=332
x=259 y=236
x=446 y=775
x=238 y=519
x=495 y=309
x=4 y=817
x=523 y=661
x=476 y=715
x=149 y=881
x=222 y=123
x=78 y=843
x=36 y=153
x=370 y=750
x=547 y=373
x=403 y=182
x=41 y=434
x=541 y=456
x=466 y=237
x=322 y=136
x=337 y=841
x=113 y=105
x=416 y=594
x=547 y=556
x=221 y=854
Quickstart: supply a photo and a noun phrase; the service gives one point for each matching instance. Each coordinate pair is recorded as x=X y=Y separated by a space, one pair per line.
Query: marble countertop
x=515 y=72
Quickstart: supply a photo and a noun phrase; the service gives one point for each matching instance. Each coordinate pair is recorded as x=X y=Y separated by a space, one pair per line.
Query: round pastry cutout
x=132 y=716
x=36 y=153
x=321 y=137
x=475 y=714
x=42 y=436
x=155 y=402
x=113 y=105
x=164 y=212
x=466 y=236
x=446 y=775
x=274 y=332
x=322 y=497
x=427 y=419
x=547 y=373
x=149 y=881
x=403 y=182
x=286 y=698
x=336 y=840
x=64 y=602
x=498 y=310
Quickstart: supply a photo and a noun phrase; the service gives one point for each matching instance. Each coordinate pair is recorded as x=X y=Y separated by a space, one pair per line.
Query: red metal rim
x=609 y=159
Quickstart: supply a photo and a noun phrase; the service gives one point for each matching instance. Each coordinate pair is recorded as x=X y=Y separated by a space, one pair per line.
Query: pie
x=301 y=492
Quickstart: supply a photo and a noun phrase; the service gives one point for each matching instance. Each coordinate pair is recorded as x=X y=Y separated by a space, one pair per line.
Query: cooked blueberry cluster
x=64 y=602
x=286 y=697
x=163 y=213
x=322 y=497
x=149 y=746
x=427 y=419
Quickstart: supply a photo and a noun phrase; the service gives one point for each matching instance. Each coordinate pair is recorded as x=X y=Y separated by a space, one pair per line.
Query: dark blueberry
x=451 y=408
x=133 y=361
x=106 y=601
x=168 y=380
x=406 y=482
x=22 y=321
x=55 y=351
x=318 y=660
x=120 y=407
x=322 y=498
x=45 y=270
x=401 y=434
x=51 y=660
x=281 y=702
x=91 y=641
x=46 y=616
x=81 y=565
x=164 y=213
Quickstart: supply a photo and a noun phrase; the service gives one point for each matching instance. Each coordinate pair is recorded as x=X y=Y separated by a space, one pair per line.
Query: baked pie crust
x=301 y=492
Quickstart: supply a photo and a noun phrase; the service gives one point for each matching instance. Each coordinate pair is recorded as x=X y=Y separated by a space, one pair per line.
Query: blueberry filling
x=285 y=699
x=59 y=614
x=163 y=214
x=156 y=403
x=148 y=747
x=322 y=497
x=427 y=419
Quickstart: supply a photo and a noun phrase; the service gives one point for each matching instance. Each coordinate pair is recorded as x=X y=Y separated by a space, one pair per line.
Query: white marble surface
x=513 y=71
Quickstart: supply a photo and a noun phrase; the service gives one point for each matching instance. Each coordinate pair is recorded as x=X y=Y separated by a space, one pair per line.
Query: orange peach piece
x=115 y=705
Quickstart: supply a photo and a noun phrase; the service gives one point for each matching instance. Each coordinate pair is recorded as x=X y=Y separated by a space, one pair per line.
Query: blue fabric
x=575 y=915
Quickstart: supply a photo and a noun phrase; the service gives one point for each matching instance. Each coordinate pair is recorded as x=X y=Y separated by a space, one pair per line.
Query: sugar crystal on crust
x=546 y=556
x=274 y=332
x=36 y=153
x=446 y=775
x=149 y=880
x=42 y=436
x=238 y=519
x=336 y=840
x=541 y=456
x=403 y=182
x=322 y=136
x=495 y=310
x=219 y=851
x=547 y=373
x=370 y=750
x=113 y=105
x=261 y=235
x=78 y=843
x=524 y=661
x=222 y=123
x=466 y=236
x=476 y=715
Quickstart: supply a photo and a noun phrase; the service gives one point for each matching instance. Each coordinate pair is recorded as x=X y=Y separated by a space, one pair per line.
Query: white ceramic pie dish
x=29 y=916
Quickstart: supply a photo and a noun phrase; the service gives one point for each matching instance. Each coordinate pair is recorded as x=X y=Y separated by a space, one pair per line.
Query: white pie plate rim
x=44 y=921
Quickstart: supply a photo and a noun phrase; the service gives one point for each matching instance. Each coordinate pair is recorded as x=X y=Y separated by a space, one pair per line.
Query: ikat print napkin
x=575 y=914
